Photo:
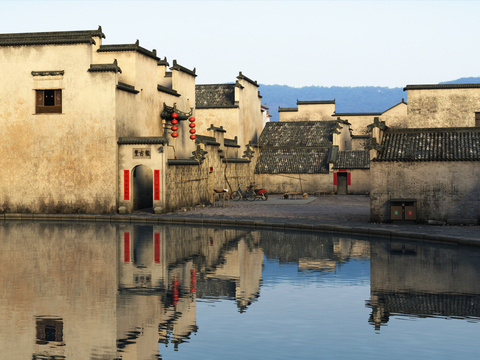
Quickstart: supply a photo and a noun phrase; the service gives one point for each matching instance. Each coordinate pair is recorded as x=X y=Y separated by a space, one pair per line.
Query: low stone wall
x=191 y=185
x=282 y=183
x=443 y=190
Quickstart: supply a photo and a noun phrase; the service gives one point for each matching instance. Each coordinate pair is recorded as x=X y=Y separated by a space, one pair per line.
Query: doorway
x=142 y=179
x=342 y=183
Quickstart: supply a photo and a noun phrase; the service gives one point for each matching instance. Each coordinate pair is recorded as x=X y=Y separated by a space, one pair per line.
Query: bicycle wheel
x=236 y=196
x=265 y=196
x=251 y=196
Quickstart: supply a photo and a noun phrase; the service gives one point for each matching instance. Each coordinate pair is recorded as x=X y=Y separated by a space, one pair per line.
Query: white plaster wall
x=443 y=107
x=56 y=162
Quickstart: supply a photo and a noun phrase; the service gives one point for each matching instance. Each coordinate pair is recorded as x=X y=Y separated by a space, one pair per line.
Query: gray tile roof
x=293 y=161
x=51 y=38
x=435 y=144
x=296 y=147
x=215 y=95
x=298 y=134
x=352 y=159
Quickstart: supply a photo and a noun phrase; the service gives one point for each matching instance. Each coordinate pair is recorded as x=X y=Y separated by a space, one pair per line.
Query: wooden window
x=49 y=330
x=477 y=119
x=48 y=102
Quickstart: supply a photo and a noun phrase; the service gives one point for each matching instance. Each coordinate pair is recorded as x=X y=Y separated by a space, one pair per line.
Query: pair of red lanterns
x=175 y=127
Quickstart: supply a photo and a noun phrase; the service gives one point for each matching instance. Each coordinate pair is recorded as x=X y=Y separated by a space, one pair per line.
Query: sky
x=295 y=43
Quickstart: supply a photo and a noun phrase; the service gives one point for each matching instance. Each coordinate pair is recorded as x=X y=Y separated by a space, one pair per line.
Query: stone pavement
x=347 y=213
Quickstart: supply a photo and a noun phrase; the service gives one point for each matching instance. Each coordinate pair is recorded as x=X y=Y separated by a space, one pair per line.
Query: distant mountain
x=465 y=80
x=347 y=99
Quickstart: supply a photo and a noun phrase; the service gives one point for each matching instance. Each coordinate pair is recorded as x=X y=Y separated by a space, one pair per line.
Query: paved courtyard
x=346 y=210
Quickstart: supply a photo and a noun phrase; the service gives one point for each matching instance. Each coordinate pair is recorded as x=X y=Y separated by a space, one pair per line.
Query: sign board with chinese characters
x=139 y=153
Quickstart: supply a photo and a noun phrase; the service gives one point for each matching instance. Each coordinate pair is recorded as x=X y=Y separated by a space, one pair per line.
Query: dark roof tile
x=352 y=159
x=298 y=133
x=218 y=95
x=434 y=144
x=293 y=161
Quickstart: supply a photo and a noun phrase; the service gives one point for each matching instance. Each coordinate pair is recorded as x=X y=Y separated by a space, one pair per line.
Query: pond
x=126 y=291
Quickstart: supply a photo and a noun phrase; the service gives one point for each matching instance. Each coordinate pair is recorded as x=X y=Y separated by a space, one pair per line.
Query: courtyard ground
x=344 y=211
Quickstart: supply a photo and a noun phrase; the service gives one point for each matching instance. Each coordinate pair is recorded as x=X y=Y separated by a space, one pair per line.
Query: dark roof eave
x=168 y=90
x=217 y=107
x=127 y=88
x=236 y=160
x=129 y=47
x=142 y=141
x=243 y=77
x=319 y=102
x=357 y=114
x=182 y=162
x=181 y=68
x=48 y=41
x=441 y=86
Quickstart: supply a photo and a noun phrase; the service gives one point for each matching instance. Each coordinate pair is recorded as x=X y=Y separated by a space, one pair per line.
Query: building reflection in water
x=423 y=280
x=114 y=291
x=106 y=291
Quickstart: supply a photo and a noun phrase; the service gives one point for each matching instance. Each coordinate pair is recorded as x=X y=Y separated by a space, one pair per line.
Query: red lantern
x=174 y=135
x=193 y=137
x=192 y=125
x=174 y=115
x=174 y=122
x=193 y=131
x=192 y=119
x=174 y=128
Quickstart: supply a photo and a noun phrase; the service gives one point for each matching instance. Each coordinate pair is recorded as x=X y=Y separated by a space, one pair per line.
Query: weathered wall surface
x=443 y=107
x=226 y=117
x=250 y=112
x=282 y=183
x=395 y=117
x=360 y=181
x=310 y=112
x=56 y=162
x=444 y=190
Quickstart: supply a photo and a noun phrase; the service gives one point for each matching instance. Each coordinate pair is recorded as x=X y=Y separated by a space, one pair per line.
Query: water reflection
x=114 y=291
x=423 y=280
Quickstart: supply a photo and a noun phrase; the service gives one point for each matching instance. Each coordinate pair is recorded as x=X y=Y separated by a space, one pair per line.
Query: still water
x=114 y=291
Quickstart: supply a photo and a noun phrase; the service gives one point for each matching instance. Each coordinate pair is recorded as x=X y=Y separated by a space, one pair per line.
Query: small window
x=477 y=119
x=48 y=101
x=49 y=330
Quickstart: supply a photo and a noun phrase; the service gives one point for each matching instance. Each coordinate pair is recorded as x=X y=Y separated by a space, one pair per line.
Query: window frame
x=41 y=108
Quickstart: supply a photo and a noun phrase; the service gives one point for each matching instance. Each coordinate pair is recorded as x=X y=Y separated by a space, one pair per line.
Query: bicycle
x=249 y=194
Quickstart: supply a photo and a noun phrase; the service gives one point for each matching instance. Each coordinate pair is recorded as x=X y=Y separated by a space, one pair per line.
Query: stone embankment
x=339 y=214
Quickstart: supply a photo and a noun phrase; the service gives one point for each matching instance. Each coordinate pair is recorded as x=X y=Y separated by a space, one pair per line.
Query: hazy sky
x=296 y=43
